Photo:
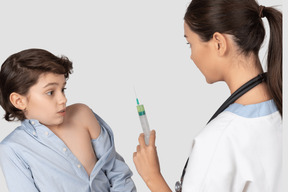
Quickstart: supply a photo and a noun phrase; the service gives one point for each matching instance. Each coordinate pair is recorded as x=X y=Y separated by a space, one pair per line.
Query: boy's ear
x=19 y=101
x=220 y=43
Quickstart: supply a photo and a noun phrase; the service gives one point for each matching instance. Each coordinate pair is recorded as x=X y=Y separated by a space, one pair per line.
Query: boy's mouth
x=62 y=112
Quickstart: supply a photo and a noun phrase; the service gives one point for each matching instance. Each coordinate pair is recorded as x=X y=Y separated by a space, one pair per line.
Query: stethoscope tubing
x=233 y=97
x=239 y=92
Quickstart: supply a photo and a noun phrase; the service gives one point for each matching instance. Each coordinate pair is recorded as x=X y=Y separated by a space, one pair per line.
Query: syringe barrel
x=144 y=123
x=145 y=127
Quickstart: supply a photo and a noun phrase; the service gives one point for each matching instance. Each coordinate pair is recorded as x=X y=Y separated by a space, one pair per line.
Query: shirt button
x=34 y=133
x=32 y=122
x=79 y=166
x=46 y=133
x=64 y=149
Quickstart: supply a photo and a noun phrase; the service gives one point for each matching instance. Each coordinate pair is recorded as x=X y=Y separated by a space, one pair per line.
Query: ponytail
x=243 y=20
x=274 y=58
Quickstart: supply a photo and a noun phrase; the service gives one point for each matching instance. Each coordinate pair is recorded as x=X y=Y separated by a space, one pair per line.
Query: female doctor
x=240 y=148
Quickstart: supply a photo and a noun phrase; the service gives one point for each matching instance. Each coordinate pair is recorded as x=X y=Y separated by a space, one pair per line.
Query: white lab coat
x=237 y=154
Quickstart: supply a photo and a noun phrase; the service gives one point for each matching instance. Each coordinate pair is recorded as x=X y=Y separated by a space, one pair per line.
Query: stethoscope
x=238 y=93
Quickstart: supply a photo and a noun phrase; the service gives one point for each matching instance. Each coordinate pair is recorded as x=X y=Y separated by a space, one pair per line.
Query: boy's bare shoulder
x=82 y=115
x=78 y=109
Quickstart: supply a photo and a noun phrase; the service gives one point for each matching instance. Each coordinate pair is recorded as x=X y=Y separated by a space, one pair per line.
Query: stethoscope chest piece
x=178 y=186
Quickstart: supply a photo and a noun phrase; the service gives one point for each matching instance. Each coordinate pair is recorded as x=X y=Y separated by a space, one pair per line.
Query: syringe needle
x=136 y=96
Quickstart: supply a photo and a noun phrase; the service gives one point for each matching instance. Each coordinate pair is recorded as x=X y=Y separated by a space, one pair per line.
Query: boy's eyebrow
x=54 y=83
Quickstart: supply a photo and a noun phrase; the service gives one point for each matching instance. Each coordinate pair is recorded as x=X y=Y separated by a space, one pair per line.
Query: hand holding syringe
x=143 y=120
x=146 y=158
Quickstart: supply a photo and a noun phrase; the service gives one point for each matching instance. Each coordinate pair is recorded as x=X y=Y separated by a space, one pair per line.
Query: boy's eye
x=188 y=44
x=63 y=90
x=50 y=93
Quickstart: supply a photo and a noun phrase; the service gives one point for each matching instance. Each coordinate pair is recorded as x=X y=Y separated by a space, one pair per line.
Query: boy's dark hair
x=21 y=70
x=243 y=20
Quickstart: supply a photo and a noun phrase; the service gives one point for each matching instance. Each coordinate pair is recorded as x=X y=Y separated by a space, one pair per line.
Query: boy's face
x=46 y=101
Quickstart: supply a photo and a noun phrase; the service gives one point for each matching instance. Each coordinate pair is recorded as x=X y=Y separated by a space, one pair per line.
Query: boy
x=56 y=148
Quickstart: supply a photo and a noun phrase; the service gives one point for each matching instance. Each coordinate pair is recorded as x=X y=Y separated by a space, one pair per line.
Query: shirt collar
x=30 y=126
x=253 y=110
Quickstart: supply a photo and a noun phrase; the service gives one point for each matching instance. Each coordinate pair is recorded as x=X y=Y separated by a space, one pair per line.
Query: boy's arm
x=16 y=172
x=116 y=170
x=120 y=176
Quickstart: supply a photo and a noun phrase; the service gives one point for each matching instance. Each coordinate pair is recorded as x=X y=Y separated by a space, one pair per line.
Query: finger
x=138 y=148
x=141 y=139
x=152 y=138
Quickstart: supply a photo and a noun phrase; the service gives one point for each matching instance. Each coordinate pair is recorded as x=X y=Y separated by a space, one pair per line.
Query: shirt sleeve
x=114 y=166
x=120 y=176
x=16 y=172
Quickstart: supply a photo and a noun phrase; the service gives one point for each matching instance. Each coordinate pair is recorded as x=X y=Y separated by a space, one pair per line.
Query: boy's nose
x=62 y=99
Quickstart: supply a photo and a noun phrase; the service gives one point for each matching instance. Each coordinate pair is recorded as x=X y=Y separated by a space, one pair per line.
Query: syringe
x=144 y=121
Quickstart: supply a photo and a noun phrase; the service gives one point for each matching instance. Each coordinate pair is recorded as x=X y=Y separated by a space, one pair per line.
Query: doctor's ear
x=19 y=101
x=220 y=43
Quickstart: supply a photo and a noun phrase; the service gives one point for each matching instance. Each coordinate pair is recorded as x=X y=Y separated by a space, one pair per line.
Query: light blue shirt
x=253 y=110
x=33 y=158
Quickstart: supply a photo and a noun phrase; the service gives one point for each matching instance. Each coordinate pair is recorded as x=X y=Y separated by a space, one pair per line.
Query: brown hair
x=242 y=19
x=21 y=70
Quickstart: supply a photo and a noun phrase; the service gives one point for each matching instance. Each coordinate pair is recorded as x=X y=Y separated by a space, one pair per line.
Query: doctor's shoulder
x=217 y=127
x=81 y=116
x=220 y=132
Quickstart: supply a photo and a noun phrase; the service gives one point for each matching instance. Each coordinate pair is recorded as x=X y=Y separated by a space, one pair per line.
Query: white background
x=116 y=46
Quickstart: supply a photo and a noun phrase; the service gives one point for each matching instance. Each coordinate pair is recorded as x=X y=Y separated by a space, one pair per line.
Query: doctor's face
x=201 y=54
